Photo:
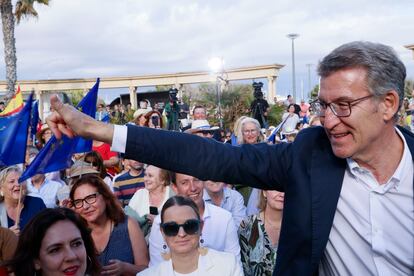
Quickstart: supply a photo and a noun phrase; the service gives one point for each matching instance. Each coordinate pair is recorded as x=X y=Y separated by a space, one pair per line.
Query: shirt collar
x=395 y=179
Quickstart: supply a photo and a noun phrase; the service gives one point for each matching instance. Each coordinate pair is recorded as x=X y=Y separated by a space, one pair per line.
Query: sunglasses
x=171 y=229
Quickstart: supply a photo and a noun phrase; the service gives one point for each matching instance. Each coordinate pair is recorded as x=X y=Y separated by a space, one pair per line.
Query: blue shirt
x=32 y=206
x=232 y=201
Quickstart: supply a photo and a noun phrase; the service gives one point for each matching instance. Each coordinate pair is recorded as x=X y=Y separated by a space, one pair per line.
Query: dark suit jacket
x=307 y=171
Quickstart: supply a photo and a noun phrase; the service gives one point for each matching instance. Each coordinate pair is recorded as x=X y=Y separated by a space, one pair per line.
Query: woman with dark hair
x=290 y=119
x=56 y=241
x=181 y=228
x=96 y=160
x=118 y=239
x=154 y=119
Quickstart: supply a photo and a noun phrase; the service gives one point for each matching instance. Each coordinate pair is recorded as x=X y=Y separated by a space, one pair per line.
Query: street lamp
x=292 y=37
x=216 y=65
x=309 y=77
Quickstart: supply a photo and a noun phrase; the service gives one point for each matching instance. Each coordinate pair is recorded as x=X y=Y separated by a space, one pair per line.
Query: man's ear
x=390 y=103
x=174 y=187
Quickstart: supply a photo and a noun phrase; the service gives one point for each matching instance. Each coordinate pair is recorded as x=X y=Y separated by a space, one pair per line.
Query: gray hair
x=244 y=121
x=385 y=71
x=5 y=172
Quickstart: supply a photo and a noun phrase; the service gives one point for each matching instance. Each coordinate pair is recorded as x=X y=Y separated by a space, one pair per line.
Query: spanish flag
x=14 y=105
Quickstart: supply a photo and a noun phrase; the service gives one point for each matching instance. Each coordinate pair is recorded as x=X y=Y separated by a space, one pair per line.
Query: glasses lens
x=90 y=198
x=78 y=203
x=341 y=109
x=170 y=228
x=191 y=226
x=318 y=108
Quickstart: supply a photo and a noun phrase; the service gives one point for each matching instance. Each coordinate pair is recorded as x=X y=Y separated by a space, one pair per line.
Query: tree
x=24 y=8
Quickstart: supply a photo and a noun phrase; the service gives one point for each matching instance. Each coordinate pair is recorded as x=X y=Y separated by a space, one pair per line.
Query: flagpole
x=19 y=209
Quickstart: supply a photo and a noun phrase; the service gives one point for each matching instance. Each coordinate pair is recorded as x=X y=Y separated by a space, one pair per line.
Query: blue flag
x=56 y=154
x=13 y=135
x=272 y=136
x=35 y=119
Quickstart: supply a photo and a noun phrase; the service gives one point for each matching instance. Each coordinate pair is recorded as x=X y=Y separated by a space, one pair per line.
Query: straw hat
x=290 y=131
x=80 y=168
x=140 y=112
x=41 y=132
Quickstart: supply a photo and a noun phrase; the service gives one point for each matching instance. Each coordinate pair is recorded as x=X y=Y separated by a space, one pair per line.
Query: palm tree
x=23 y=8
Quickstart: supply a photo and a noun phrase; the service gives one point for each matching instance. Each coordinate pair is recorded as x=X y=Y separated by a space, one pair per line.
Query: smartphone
x=153 y=210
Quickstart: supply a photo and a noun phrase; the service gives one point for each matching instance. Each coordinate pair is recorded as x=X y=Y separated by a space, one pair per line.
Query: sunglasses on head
x=171 y=228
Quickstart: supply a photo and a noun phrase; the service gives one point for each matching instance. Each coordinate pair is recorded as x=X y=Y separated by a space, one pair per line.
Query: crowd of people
x=315 y=194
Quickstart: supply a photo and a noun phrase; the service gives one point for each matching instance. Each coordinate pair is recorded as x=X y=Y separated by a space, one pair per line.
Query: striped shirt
x=126 y=185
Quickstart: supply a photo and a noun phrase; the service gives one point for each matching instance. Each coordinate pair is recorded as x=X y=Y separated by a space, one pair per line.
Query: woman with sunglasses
x=181 y=228
x=118 y=239
x=55 y=242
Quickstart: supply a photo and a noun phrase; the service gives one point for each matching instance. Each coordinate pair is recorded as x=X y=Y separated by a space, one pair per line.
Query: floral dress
x=258 y=255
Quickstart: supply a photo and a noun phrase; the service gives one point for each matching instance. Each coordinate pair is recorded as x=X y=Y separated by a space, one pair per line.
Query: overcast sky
x=102 y=38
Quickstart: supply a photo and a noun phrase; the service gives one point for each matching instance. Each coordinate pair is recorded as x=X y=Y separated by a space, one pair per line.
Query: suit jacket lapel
x=327 y=173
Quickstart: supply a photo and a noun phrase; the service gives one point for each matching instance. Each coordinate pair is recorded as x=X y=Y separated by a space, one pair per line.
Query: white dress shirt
x=47 y=191
x=219 y=233
x=373 y=227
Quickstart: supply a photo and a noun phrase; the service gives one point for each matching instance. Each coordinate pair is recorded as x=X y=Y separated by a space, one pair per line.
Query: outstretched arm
x=69 y=121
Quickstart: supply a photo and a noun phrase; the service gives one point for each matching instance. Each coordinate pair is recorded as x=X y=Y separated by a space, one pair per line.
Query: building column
x=271 y=93
x=133 y=97
x=38 y=95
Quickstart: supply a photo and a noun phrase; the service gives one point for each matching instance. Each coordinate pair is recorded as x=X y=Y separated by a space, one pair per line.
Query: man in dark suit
x=349 y=207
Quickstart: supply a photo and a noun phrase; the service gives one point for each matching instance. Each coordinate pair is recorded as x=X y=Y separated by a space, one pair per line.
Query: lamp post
x=293 y=37
x=216 y=65
x=309 y=77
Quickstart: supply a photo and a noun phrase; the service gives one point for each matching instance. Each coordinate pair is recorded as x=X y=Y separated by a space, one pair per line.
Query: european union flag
x=13 y=135
x=56 y=154
x=35 y=119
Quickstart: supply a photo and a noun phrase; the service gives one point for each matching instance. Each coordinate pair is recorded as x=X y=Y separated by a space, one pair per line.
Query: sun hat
x=290 y=131
x=80 y=168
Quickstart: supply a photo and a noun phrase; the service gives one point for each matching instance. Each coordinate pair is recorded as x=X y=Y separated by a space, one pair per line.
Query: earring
x=201 y=249
x=1 y=193
x=165 y=254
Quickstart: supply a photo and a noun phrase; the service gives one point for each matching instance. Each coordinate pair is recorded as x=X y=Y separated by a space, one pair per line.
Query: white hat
x=140 y=112
x=200 y=125
x=290 y=131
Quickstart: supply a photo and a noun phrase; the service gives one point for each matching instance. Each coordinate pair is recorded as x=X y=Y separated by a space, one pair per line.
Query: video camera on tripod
x=259 y=105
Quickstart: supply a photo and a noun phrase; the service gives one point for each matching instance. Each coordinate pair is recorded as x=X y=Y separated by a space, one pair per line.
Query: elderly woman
x=150 y=200
x=16 y=208
x=259 y=235
x=181 y=228
x=55 y=242
x=118 y=239
x=248 y=132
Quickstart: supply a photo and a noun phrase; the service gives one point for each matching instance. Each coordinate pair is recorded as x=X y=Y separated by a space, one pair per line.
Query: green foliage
x=275 y=114
x=162 y=87
x=235 y=102
x=76 y=96
x=408 y=88
x=314 y=92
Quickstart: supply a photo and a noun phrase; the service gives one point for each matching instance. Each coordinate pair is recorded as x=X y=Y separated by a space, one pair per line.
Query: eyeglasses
x=340 y=109
x=171 y=229
x=90 y=199
x=250 y=131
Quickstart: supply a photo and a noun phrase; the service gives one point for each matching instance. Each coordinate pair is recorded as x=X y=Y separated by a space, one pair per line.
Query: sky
x=103 y=38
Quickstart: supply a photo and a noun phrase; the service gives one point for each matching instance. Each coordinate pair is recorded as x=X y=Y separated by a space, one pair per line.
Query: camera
x=257 y=87
x=154 y=120
x=173 y=94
